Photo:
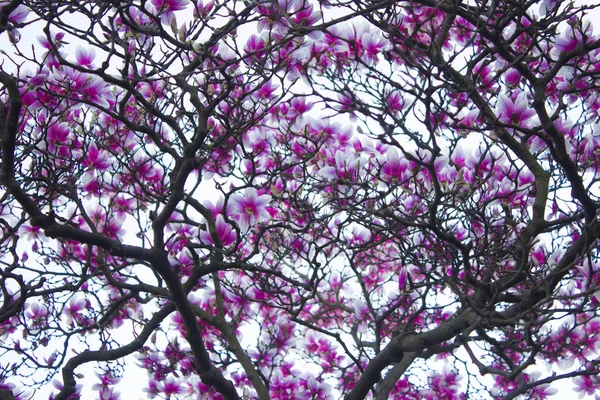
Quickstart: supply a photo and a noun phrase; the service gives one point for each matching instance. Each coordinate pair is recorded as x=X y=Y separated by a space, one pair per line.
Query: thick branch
x=207 y=372
x=236 y=348
x=386 y=385
x=404 y=343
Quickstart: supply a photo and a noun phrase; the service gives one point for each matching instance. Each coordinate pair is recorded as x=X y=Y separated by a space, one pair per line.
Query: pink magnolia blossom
x=462 y=31
x=215 y=208
x=299 y=106
x=73 y=311
x=374 y=45
x=19 y=14
x=586 y=385
x=50 y=59
x=266 y=91
x=33 y=232
x=395 y=102
x=255 y=46
x=306 y=16
x=96 y=159
x=249 y=209
x=402 y=279
x=571 y=38
x=224 y=231
x=38 y=314
x=104 y=387
x=359 y=236
x=516 y=112
x=484 y=73
x=170 y=387
x=166 y=8
x=394 y=167
x=85 y=56
x=202 y=9
x=347 y=166
x=59 y=139
x=122 y=206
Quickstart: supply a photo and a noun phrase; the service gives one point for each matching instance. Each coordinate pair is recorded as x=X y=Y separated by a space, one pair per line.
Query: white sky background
x=135 y=379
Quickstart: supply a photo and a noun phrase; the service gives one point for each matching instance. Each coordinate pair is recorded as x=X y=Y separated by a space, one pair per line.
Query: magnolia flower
x=19 y=14
x=224 y=231
x=395 y=166
x=347 y=166
x=249 y=209
x=85 y=56
x=514 y=112
x=166 y=8
x=586 y=385
x=402 y=279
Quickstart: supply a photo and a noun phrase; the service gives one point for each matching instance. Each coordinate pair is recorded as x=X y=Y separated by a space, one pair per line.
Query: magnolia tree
x=299 y=199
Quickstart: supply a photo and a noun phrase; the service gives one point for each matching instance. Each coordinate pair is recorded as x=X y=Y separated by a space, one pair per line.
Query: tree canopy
x=300 y=199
